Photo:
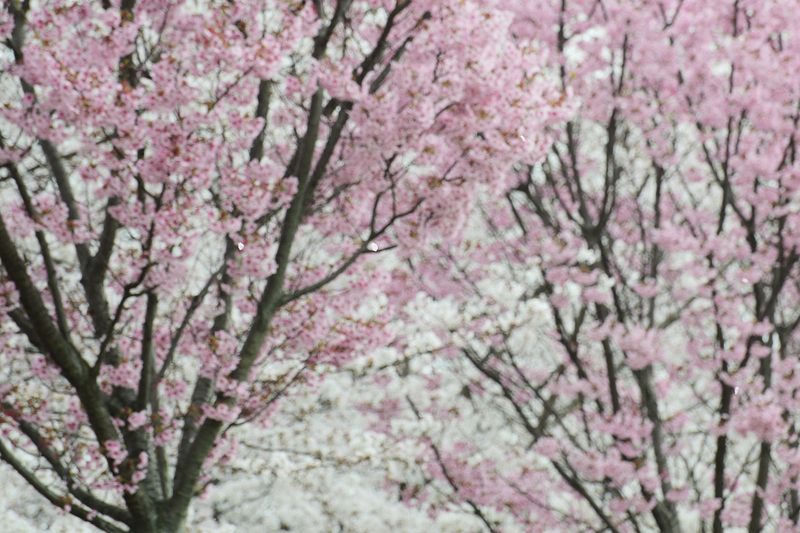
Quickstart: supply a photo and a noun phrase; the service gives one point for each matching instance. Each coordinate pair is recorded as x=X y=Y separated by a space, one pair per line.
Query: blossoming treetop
x=190 y=191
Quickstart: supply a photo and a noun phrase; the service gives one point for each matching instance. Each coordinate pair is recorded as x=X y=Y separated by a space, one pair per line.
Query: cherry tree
x=614 y=346
x=194 y=195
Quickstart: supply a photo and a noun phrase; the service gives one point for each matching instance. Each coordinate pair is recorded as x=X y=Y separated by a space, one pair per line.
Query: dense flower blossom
x=196 y=197
x=628 y=308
